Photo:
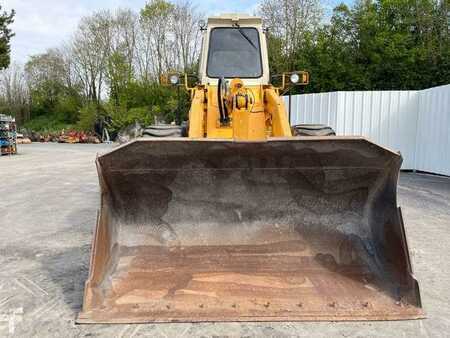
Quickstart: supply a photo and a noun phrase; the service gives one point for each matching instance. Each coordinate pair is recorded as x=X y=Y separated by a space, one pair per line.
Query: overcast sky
x=42 y=24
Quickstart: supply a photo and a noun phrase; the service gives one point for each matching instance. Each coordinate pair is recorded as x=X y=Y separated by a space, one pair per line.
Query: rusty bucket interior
x=218 y=230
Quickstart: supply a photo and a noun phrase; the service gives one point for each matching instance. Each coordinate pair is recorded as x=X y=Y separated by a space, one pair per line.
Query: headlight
x=174 y=79
x=295 y=78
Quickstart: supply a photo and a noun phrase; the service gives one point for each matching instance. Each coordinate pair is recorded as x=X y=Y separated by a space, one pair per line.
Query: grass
x=47 y=124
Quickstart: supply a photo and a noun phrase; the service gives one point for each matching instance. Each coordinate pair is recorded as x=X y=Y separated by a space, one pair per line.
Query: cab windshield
x=234 y=52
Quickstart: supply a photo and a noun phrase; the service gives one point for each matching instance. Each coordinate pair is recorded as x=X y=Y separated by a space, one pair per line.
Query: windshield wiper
x=236 y=25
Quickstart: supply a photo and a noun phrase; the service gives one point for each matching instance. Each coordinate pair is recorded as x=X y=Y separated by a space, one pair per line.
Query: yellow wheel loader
x=242 y=220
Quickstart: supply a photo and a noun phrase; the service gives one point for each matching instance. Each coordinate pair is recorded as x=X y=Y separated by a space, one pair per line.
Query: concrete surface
x=48 y=203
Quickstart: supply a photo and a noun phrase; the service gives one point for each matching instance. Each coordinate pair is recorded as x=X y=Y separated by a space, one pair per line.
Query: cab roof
x=230 y=18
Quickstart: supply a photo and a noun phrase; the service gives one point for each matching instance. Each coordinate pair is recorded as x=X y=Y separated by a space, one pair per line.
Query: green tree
x=331 y=56
x=52 y=92
x=6 y=19
x=383 y=44
x=156 y=21
x=120 y=74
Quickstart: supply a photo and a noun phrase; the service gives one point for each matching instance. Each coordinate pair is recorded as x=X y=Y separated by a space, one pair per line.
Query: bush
x=121 y=118
x=68 y=108
x=47 y=124
x=87 y=117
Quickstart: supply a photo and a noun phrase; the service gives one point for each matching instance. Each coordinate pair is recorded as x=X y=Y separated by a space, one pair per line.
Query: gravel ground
x=48 y=204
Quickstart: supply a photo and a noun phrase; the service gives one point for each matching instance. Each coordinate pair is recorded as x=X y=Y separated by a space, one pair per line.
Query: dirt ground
x=48 y=204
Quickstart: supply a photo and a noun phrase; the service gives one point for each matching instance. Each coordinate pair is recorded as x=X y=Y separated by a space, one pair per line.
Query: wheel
x=312 y=130
x=164 y=130
x=185 y=128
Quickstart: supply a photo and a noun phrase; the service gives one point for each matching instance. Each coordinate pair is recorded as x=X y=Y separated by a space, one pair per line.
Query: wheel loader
x=244 y=220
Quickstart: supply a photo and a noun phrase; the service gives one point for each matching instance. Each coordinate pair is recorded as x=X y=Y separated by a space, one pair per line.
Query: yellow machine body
x=265 y=117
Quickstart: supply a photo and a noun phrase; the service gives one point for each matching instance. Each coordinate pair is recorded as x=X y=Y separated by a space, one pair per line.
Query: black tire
x=164 y=130
x=312 y=130
x=185 y=128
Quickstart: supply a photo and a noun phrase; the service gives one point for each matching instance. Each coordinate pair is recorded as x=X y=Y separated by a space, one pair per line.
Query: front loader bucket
x=305 y=228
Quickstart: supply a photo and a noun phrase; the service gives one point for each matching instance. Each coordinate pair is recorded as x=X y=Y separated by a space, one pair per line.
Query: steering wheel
x=222 y=91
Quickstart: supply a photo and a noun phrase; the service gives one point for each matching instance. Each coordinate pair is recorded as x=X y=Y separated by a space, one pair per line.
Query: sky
x=43 y=24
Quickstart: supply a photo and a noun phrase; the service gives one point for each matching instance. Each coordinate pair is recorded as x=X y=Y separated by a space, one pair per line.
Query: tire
x=312 y=130
x=185 y=128
x=164 y=130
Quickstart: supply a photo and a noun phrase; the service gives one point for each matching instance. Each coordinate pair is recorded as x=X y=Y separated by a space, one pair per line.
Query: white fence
x=416 y=123
x=433 y=132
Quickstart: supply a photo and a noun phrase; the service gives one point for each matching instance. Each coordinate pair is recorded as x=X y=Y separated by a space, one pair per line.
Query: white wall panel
x=433 y=133
x=313 y=108
x=388 y=118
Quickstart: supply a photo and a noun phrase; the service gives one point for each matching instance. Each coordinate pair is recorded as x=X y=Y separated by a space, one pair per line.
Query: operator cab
x=234 y=46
